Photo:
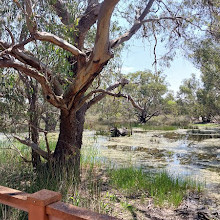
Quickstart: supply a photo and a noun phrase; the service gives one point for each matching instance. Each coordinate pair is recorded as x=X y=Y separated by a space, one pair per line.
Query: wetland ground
x=178 y=152
x=181 y=153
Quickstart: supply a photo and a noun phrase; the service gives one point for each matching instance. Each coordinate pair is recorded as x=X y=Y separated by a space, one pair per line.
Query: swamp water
x=180 y=153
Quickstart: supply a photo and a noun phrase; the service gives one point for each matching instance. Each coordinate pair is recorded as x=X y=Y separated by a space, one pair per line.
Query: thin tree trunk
x=34 y=124
x=31 y=89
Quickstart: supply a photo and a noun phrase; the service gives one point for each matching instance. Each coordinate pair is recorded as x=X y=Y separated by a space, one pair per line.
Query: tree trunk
x=50 y=122
x=36 y=161
x=67 y=152
x=142 y=117
x=34 y=124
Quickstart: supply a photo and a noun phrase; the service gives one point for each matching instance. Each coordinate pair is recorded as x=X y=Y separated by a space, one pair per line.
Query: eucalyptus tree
x=65 y=46
x=205 y=54
x=206 y=57
x=147 y=90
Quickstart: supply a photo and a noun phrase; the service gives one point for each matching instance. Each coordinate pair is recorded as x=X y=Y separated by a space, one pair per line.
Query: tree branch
x=16 y=149
x=9 y=48
x=150 y=116
x=136 y=26
x=57 y=101
x=44 y=36
x=100 y=57
x=26 y=58
x=30 y=19
x=33 y=147
x=96 y=99
x=11 y=35
x=23 y=43
x=101 y=49
x=128 y=97
x=87 y=20
x=47 y=145
x=162 y=18
x=61 y=11
x=4 y=45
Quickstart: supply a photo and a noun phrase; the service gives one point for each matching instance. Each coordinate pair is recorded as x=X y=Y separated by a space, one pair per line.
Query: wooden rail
x=46 y=205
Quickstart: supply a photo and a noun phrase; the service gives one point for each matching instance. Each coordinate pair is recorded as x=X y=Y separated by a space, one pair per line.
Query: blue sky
x=139 y=56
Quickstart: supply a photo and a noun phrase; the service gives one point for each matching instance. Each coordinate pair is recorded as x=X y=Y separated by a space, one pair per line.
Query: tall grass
x=164 y=188
x=16 y=174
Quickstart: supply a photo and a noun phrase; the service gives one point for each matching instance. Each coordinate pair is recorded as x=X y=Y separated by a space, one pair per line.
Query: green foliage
x=163 y=128
x=149 y=126
x=19 y=175
x=144 y=86
x=12 y=102
x=128 y=181
x=102 y=132
x=187 y=97
x=202 y=98
x=207 y=56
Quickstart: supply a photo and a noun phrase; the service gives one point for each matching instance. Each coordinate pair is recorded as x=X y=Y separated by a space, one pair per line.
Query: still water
x=179 y=152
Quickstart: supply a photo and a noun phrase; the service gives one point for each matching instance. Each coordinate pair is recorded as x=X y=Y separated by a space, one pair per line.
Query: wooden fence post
x=38 y=202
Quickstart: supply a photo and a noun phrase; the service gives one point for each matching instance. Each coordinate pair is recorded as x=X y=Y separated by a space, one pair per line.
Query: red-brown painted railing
x=46 y=205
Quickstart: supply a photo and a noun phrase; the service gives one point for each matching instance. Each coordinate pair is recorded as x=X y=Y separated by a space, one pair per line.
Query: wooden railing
x=46 y=205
